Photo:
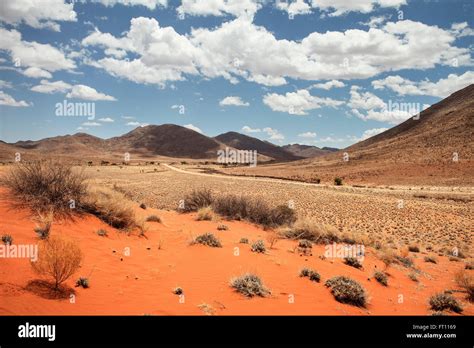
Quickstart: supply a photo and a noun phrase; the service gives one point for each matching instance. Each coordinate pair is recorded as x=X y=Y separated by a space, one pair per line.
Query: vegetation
x=414 y=248
x=43 y=228
x=82 y=282
x=197 y=199
x=222 y=227
x=58 y=258
x=101 y=232
x=7 y=239
x=259 y=247
x=466 y=282
x=153 y=218
x=205 y=214
x=381 y=277
x=208 y=239
x=444 y=301
x=244 y=241
x=311 y=274
x=353 y=262
x=311 y=230
x=346 y=290
x=337 y=181
x=430 y=259
x=178 y=291
x=249 y=285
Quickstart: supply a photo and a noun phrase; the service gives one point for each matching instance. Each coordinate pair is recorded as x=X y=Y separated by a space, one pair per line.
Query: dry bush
x=259 y=247
x=310 y=229
x=111 y=207
x=58 y=258
x=43 y=227
x=431 y=259
x=153 y=218
x=311 y=274
x=249 y=285
x=197 y=199
x=208 y=239
x=443 y=301
x=205 y=214
x=346 y=290
x=46 y=185
x=272 y=238
x=353 y=262
x=465 y=281
x=381 y=277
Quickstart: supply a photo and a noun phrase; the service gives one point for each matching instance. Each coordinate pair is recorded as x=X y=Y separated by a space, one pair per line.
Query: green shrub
x=346 y=290
x=443 y=301
x=208 y=239
x=249 y=285
x=259 y=247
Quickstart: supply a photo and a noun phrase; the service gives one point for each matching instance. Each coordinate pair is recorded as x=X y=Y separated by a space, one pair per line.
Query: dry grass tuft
x=205 y=214
x=465 y=281
x=346 y=290
x=444 y=301
x=310 y=229
x=249 y=285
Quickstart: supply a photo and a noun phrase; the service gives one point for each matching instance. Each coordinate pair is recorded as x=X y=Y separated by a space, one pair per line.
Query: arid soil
x=134 y=275
x=432 y=216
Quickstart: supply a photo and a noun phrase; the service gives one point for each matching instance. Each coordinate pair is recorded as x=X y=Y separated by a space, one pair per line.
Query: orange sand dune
x=142 y=283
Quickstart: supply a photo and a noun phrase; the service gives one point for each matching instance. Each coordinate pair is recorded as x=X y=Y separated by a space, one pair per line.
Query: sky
x=315 y=72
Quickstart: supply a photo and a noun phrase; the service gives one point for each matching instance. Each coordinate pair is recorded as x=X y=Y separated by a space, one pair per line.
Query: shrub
x=101 y=232
x=43 y=228
x=83 y=282
x=309 y=229
x=259 y=247
x=414 y=249
x=405 y=261
x=430 y=259
x=282 y=215
x=381 y=277
x=346 y=290
x=7 y=239
x=337 y=181
x=311 y=274
x=443 y=301
x=272 y=238
x=208 y=239
x=58 y=258
x=244 y=241
x=110 y=206
x=205 y=214
x=413 y=277
x=469 y=265
x=197 y=199
x=249 y=285
x=305 y=244
x=143 y=206
x=466 y=282
x=178 y=291
x=153 y=218
x=353 y=262
x=222 y=227
x=46 y=185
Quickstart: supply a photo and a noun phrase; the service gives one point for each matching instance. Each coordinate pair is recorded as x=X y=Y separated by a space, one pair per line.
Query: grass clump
x=337 y=181
x=222 y=227
x=413 y=277
x=353 y=262
x=82 y=282
x=309 y=229
x=259 y=247
x=465 y=281
x=43 y=227
x=346 y=290
x=7 y=239
x=208 y=239
x=244 y=241
x=101 y=232
x=443 y=301
x=197 y=199
x=205 y=214
x=430 y=259
x=311 y=274
x=153 y=218
x=178 y=291
x=381 y=277
x=249 y=285
x=46 y=185
x=414 y=249
x=143 y=206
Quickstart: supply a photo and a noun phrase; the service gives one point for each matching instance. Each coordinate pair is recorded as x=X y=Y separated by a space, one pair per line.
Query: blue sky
x=318 y=72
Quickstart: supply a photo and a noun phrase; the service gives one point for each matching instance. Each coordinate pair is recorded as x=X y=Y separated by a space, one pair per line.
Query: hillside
x=305 y=151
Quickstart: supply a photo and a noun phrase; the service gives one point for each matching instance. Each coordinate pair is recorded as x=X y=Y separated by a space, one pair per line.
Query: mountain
x=305 y=151
x=330 y=149
x=244 y=142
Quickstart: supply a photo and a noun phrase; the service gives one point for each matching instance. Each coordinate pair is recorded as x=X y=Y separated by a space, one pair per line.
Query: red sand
x=142 y=283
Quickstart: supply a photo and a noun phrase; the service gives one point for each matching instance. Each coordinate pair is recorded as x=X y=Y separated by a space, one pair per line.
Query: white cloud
x=151 y=4
x=233 y=101
x=37 y=14
x=50 y=87
x=308 y=135
x=106 y=120
x=274 y=134
x=37 y=73
x=128 y=117
x=193 y=127
x=329 y=84
x=136 y=124
x=294 y=7
x=239 y=49
x=33 y=54
x=462 y=29
x=5 y=84
x=238 y=8
x=87 y=93
x=297 y=103
x=91 y=124
x=442 y=88
x=247 y=129
x=8 y=100
x=340 y=7
x=371 y=132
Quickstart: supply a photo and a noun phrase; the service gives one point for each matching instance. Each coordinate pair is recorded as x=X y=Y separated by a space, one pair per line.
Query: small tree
x=58 y=258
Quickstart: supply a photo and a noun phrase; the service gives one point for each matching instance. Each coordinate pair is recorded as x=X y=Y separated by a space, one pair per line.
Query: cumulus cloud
x=106 y=120
x=151 y=4
x=274 y=134
x=441 y=88
x=91 y=124
x=298 y=103
x=193 y=127
x=8 y=100
x=371 y=132
x=74 y=91
x=294 y=7
x=307 y=135
x=33 y=54
x=329 y=84
x=233 y=101
x=341 y=7
x=37 y=14
x=239 y=49
x=247 y=129
x=237 y=8
x=37 y=73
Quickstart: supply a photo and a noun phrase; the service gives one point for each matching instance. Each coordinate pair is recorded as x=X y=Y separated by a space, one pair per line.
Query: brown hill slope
x=305 y=151
x=244 y=142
